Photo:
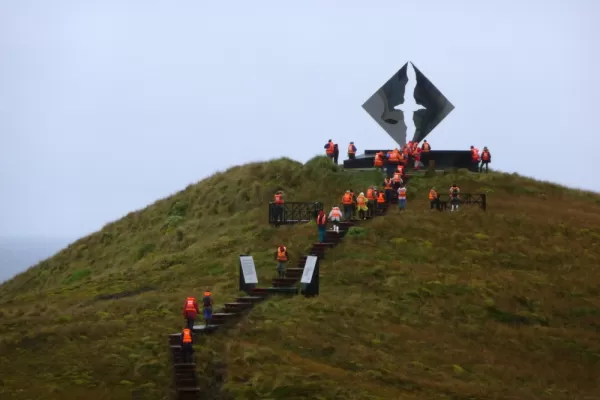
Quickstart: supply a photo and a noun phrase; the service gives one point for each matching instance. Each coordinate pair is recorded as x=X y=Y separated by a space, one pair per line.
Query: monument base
x=442 y=159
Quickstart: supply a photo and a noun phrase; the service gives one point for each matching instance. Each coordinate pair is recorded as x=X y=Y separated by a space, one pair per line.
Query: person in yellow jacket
x=361 y=206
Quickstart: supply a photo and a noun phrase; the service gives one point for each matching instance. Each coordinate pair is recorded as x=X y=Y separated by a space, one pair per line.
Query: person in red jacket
x=190 y=312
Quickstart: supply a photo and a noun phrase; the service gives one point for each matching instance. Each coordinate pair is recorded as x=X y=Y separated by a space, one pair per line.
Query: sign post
x=248 y=278
x=310 y=277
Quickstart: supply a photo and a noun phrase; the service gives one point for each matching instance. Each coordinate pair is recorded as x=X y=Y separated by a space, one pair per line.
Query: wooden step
x=249 y=299
x=277 y=290
x=237 y=306
x=283 y=282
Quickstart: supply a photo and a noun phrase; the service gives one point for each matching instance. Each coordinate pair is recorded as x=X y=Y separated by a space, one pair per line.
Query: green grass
x=423 y=305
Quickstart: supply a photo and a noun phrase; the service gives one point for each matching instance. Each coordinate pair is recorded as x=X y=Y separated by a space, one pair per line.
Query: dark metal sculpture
x=381 y=106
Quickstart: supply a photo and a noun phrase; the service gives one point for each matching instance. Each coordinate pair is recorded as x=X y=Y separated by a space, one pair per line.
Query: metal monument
x=382 y=106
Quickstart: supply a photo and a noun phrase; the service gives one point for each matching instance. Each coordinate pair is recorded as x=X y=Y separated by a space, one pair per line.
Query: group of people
x=190 y=313
x=453 y=195
x=479 y=161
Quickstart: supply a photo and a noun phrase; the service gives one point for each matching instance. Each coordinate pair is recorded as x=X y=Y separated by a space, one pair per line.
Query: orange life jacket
x=187 y=335
x=361 y=201
x=402 y=193
x=279 y=199
x=485 y=155
x=347 y=199
x=336 y=213
x=432 y=195
x=397 y=176
x=370 y=195
x=329 y=150
x=378 y=161
x=394 y=157
x=190 y=304
x=351 y=149
x=387 y=183
x=401 y=169
x=281 y=255
x=381 y=198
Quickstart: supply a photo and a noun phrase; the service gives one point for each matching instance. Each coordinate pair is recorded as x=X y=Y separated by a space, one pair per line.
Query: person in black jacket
x=336 y=153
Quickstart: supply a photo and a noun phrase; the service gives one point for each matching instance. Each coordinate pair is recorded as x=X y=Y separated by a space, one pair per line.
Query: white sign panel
x=309 y=268
x=248 y=269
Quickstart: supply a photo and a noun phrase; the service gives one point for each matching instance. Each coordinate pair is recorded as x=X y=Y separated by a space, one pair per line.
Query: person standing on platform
x=336 y=153
x=322 y=226
x=371 y=199
x=425 y=149
x=475 y=159
x=351 y=151
x=281 y=255
x=329 y=149
x=278 y=205
x=486 y=159
x=190 y=311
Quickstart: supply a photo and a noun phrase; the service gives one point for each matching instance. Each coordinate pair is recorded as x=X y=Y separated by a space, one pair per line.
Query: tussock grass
x=419 y=305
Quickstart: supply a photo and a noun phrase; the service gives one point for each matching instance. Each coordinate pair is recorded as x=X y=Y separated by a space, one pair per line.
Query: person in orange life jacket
x=397 y=180
x=401 y=197
x=351 y=151
x=379 y=159
x=281 y=255
x=278 y=205
x=486 y=158
x=336 y=153
x=322 y=226
x=417 y=157
x=347 y=204
x=190 y=311
x=207 y=305
x=388 y=188
x=381 y=203
x=329 y=148
x=361 y=205
x=454 y=193
x=353 y=215
x=371 y=199
x=187 y=345
x=474 y=159
x=434 y=199
x=394 y=158
x=425 y=149
x=335 y=215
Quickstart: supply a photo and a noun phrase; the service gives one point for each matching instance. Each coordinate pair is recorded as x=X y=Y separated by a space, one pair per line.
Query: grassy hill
x=470 y=305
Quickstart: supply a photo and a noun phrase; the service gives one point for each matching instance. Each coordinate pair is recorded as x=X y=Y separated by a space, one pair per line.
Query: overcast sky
x=108 y=105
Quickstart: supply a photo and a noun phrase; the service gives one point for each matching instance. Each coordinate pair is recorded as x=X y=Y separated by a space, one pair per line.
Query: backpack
x=455 y=193
x=206 y=300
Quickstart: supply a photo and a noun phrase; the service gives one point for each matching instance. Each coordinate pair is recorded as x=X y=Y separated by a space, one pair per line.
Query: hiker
x=278 y=206
x=329 y=149
x=416 y=154
x=425 y=149
x=190 y=311
x=322 y=226
x=388 y=189
x=351 y=151
x=347 y=204
x=353 y=213
x=361 y=205
x=397 y=180
x=336 y=153
x=281 y=255
x=475 y=159
x=454 y=197
x=187 y=348
x=334 y=216
x=207 y=305
x=486 y=159
x=381 y=203
x=434 y=199
x=371 y=199
x=401 y=197
x=394 y=158
x=378 y=163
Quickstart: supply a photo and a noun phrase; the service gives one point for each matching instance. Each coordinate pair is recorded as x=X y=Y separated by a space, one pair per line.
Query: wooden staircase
x=184 y=374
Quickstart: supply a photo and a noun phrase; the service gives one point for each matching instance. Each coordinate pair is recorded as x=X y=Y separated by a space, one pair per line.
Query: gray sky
x=108 y=105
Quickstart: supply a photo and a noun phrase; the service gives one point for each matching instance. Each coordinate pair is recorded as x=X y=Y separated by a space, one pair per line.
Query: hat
x=347 y=191
x=351 y=142
x=361 y=194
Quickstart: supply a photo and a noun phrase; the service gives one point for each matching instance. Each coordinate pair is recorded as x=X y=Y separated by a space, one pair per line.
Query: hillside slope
x=502 y=304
